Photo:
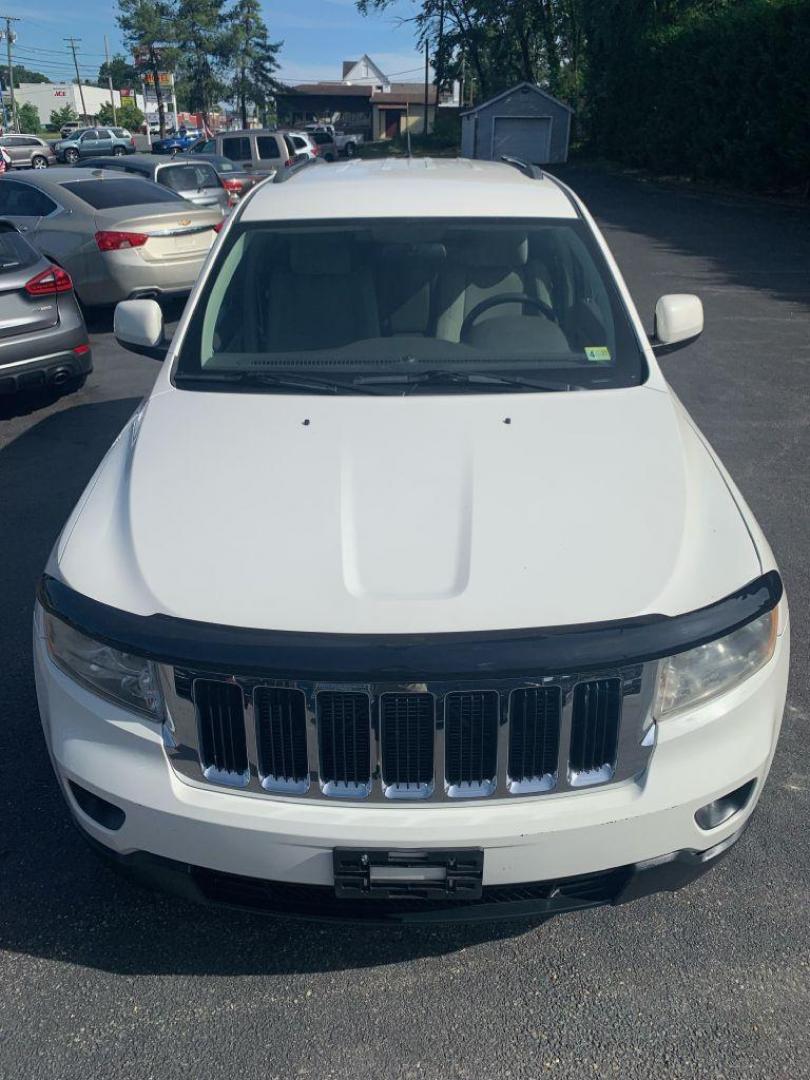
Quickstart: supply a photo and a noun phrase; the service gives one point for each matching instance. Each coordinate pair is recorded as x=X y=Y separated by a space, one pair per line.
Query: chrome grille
x=594 y=730
x=407 y=723
x=223 y=742
x=534 y=738
x=428 y=742
x=281 y=739
x=471 y=742
x=344 y=737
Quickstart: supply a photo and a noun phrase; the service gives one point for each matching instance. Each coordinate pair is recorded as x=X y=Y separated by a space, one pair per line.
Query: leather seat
x=321 y=299
x=480 y=266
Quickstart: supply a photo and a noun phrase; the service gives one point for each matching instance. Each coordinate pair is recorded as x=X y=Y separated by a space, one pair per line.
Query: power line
x=56 y=52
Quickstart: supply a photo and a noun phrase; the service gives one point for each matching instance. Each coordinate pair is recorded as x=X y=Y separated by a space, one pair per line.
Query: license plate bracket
x=418 y=873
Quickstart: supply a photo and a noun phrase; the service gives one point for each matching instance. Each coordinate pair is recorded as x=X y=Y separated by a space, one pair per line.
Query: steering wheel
x=496 y=301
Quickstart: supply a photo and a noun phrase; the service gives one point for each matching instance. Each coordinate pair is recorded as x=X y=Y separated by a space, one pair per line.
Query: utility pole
x=109 y=80
x=72 y=43
x=427 y=74
x=11 y=37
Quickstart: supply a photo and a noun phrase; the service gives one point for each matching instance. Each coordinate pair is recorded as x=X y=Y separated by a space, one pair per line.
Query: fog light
x=102 y=812
x=715 y=813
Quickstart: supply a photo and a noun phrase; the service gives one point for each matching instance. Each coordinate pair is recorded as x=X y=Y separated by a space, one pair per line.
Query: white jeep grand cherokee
x=411 y=591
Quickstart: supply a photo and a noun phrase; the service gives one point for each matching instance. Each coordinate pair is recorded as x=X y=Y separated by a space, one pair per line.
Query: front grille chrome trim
x=636 y=742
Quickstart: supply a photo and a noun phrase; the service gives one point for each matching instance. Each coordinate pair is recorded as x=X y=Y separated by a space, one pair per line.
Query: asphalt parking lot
x=101 y=980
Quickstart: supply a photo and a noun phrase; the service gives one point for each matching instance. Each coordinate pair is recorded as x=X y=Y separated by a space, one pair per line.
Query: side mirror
x=138 y=326
x=678 y=321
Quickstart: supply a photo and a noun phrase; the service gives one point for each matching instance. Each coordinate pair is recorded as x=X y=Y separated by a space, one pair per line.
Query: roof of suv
x=410 y=187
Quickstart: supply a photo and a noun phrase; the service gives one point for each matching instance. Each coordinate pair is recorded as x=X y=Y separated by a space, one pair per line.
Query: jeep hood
x=408 y=514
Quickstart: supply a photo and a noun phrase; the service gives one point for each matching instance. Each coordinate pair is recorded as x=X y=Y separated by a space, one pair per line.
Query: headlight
x=127 y=680
x=690 y=678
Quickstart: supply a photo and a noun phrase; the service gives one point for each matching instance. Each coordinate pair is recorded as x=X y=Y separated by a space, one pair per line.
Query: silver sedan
x=117 y=236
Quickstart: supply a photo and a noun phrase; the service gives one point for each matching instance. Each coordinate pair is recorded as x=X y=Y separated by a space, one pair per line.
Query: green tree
x=28 y=118
x=147 y=27
x=127 y=115
x=253 y=59
x=23 y=74
x=202 y=44
x=62 y=116
x=124 y=74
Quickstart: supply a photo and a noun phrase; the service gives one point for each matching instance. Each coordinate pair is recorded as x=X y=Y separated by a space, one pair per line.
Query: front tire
x=39 y=162
x=71 y=156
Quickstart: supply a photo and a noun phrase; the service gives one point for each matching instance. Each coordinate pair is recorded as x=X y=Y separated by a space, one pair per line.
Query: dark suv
x=92 y=142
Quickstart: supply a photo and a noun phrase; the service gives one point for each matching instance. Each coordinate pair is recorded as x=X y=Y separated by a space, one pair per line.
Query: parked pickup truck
x=346 y=143
x=494 y=633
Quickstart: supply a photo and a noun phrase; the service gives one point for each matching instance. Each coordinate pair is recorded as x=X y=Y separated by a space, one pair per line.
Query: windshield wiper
x=305 y=384
x=452 y=377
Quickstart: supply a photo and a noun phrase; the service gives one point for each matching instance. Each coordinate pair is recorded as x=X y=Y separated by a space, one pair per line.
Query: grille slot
x=344 y=739
x=407 y=725
x=534 y=739
x=595 y=724
x=471 y=742
x=221 y=723
x=281 y=736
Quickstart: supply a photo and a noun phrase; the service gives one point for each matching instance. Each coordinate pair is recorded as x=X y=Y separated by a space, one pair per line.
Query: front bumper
x=539 y=899
x=208 y=835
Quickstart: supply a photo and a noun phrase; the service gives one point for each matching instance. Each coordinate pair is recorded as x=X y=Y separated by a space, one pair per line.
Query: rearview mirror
x=138 y=326
x=678 y=321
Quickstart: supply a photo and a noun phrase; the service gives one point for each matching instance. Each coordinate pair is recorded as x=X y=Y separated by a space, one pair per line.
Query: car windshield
x=189 y=177
x=110 y=193
x=406 y=305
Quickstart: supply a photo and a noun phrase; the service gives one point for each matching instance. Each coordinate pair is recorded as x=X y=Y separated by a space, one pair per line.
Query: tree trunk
x=546 y=9
x=155 y=69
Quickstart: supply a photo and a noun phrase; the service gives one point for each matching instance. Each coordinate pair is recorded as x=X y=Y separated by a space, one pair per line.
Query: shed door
x=527 y=138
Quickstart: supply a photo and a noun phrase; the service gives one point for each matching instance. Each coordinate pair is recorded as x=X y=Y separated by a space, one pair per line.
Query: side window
x=20 y=200
x=236 y=147
x=89 y=136
x=209 y=147
x=267 y=146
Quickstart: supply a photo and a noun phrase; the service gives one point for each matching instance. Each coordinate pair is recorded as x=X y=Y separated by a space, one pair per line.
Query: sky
x=317 y=35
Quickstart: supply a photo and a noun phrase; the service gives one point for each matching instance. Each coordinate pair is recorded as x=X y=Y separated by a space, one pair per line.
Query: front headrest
x=490 y=248
x=320 y=255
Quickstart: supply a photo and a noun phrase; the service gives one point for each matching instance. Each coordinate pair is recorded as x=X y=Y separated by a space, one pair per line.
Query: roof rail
x=534 y=172
x=293 y=170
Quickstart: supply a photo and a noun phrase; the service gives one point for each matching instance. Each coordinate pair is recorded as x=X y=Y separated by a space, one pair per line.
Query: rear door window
x=128 y=191
x=267 y=145
x=191 y=177
x=236 y=147
x=20 y=200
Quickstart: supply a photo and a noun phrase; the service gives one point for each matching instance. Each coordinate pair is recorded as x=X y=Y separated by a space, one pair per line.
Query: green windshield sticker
x=599 y=354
